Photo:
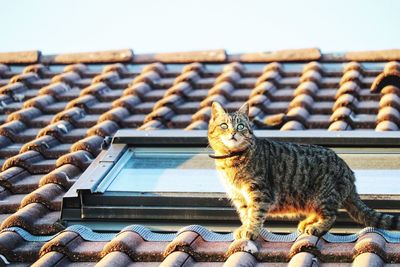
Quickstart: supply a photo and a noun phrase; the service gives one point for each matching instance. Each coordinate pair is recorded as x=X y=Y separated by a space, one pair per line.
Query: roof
x=56 y=111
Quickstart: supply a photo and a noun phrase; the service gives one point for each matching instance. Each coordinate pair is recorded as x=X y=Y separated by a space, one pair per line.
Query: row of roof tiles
x=308 y=103
x=192 y=246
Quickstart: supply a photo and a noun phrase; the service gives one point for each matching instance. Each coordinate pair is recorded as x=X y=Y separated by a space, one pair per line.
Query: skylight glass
x=163 y=170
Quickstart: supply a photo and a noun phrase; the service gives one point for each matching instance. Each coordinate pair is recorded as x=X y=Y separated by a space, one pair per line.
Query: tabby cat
x=284 y=179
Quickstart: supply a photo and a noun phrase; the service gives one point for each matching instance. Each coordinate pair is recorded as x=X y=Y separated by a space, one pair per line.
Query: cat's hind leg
x=310 y=219
x=326 y=218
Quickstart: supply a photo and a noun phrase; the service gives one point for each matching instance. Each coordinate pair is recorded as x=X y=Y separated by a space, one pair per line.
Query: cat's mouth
x=233 y=142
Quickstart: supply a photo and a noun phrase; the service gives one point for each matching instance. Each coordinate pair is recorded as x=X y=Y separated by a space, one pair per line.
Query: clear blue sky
x=159 y=25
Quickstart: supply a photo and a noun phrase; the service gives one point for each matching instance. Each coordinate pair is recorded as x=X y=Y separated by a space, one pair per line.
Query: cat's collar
x=230 y=155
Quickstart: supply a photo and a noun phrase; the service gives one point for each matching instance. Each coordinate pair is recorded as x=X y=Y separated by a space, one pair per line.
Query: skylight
x=165 y=179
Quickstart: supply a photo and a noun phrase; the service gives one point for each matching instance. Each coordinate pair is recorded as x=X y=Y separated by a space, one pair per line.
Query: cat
x=284 y=179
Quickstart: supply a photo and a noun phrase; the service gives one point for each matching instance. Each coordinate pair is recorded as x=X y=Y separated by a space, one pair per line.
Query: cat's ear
x=217 y=110
x=244 y=109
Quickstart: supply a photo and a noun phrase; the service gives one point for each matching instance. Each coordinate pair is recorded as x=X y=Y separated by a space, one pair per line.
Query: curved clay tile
x=4 y=69
x=235 y=67
x=119 y=68
x=39 y=69
x=392 y=66
x=15 y=90
x=346 y=100
x=191 y=77
x=306 y=87
x=390 y=100
x=275 y=66
x=301 y=106
x=388 y=114
x=353 y=65
x=150 y=77
x=272 y=76
x=385 y=79
x=195 y=66
x=49 y=195
x=103 y=129
x=78 y=68
x=35 y=218
x=264 y=88
x=152 y=125
x=370 y=250
x=292 y=126
x=197 y=125
x=339 y=126
x=349 y=87
x=311 y=76
x=182 y=89
x=25 y=78
x=140 y=89
x=65 y=176
x=157 y=67
x=109 y=78
x=351 y=75
x=313 y=65
x=233 y=77
x=70 y=78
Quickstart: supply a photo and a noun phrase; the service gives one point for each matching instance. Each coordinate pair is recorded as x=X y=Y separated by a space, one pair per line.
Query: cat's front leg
x=241 y=205
x=257 y=208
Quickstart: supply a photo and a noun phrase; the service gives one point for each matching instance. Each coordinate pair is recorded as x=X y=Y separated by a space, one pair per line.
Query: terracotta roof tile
x=32 y=161
x=18 y=180
x=16 y=249
x=80 y=159
x=74 y=247
x=50 y=259
x=50 y=195
x=35 y=218
x=104 y=128
x=64 y=176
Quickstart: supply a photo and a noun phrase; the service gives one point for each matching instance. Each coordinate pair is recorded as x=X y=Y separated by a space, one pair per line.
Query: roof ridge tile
x=22 y=57
x=109 y=56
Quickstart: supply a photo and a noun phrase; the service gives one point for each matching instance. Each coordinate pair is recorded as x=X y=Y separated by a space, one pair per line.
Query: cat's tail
x=363 y=214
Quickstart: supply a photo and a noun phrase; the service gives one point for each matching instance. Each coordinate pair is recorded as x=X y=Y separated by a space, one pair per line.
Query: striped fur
x=284 y=179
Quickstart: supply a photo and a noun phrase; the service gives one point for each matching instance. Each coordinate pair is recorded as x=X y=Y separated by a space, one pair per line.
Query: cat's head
x=230 y=132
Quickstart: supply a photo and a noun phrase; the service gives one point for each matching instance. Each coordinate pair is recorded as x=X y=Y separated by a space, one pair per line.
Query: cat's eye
x=240 y=127
x=223 y=126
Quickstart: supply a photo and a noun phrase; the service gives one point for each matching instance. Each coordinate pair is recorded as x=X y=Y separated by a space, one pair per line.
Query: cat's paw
x=246 y=233
x=242 y=245
x=302 y=227
x=314 y=230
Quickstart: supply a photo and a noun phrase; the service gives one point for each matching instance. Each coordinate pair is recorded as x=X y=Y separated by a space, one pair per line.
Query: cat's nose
x=233 y=137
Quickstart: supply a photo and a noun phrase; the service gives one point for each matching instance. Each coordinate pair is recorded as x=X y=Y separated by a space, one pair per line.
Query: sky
x=181 y=25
